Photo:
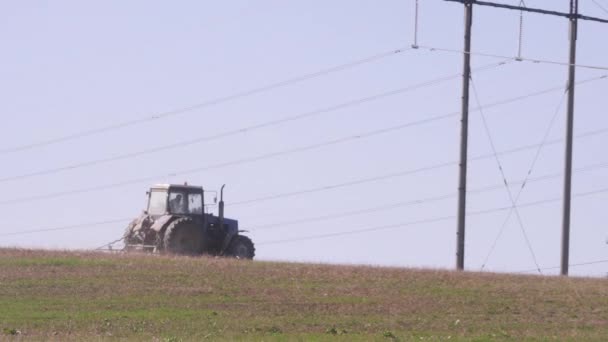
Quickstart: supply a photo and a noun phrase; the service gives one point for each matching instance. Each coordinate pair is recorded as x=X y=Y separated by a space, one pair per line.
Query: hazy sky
x=73 y=66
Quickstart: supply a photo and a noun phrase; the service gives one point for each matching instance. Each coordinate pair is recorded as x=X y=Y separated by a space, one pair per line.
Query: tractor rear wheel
x=183 y=236
x=241 y=247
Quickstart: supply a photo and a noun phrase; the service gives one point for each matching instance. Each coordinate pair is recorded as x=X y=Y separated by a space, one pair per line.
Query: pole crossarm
x=533 y=10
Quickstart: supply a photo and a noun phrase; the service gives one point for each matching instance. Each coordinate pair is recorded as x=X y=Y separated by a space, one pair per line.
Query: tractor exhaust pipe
x=228 y=237
x=221 y=207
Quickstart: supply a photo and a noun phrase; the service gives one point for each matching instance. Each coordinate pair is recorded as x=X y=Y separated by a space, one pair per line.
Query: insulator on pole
x=415 y=44
x=521 y=32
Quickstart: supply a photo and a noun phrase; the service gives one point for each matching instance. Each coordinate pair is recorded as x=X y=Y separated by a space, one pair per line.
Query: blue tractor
x=176 y=222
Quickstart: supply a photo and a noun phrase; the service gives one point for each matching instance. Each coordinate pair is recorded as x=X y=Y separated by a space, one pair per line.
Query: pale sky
x=74 y=66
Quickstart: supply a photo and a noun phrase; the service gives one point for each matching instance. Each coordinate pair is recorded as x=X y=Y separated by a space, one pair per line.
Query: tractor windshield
x=177 y=202
x=195 y=204
x=157 y=204
x=182 y=202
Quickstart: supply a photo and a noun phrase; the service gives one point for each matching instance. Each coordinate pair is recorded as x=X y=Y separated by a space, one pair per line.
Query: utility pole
x=569 y=133
x=573 y=16
x=464 y=136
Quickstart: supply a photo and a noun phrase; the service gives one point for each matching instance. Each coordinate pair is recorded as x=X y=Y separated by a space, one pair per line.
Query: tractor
x=176 y=222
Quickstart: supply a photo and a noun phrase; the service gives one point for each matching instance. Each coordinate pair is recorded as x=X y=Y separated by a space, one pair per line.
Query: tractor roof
x=176 y=186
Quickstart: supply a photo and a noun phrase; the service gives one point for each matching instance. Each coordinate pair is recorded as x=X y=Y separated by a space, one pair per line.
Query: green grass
x=86 y=296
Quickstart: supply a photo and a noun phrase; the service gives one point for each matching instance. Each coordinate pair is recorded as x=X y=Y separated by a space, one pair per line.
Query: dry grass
x=86 y=296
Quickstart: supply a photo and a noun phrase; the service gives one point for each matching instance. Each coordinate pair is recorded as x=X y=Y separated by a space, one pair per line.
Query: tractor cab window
x=157 y=204
x=195 y=204
x=177 y=203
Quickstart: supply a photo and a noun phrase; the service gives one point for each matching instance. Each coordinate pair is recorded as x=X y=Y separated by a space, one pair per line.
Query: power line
x=405 y=172
x=504 y=177
x=418 y=222
x=243 y=130
x=209 y=103
x=338 y=215
x=591 y=167
x=345 y=184
x=600 y=6
x=533 y=60
x=401 y=203
x=181 y=172
x=303 y=148
x=358 y=231
x=149 y=179
x=248 y=159
x=351 y=213
x=74 y=226
x=570 y=265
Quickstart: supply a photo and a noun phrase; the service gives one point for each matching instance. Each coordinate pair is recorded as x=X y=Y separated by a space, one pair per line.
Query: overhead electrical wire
x=205 y=104
x=345 y=184
x=338 y=215
x=68 y=227
x=352 y=213
x=402 y=204
x=275 y=122
x=246 y=129
x=585 y=263
x=532 y=60
x=419 y=222
x=285 y=152
x=412 y=171
x=331 y=216
x=300 y=149
x=349 y=213
x=258 y=90
x=605 y=9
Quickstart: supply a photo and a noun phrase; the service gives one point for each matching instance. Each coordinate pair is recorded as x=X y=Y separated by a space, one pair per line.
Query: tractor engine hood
x=160 y=222
x=147 y=222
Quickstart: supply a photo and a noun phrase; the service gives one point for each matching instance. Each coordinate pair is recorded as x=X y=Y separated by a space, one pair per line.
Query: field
x=93 y=296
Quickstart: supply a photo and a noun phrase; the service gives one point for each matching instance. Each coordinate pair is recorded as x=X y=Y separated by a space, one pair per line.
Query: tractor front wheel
x=241 y=247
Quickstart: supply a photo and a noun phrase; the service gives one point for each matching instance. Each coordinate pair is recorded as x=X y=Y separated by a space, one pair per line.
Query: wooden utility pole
x=464 y=136
x=569 y=133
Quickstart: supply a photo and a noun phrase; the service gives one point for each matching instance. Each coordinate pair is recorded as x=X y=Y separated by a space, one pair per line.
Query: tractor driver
x=177 y=205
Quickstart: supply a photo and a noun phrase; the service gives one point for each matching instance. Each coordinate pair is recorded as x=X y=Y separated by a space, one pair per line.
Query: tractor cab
x=169 y=199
